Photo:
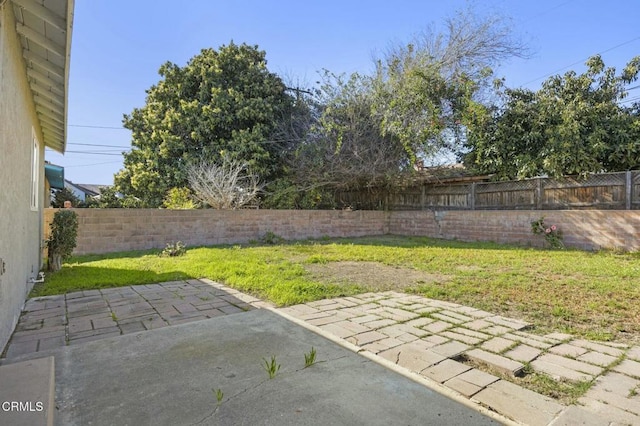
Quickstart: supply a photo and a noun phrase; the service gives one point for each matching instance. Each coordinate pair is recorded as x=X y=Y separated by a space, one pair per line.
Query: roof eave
x=70 y=9
x=40 y=25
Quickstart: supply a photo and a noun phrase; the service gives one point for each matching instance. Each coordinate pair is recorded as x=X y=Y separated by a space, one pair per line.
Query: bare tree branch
x=229 y=185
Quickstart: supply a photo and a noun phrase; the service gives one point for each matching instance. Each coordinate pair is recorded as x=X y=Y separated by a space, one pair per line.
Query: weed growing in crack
x=219 y=395
x=563 y=391
x=271 y=367
x=310 y=358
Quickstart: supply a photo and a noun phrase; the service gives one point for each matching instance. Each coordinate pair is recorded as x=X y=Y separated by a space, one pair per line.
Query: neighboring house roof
x=84 y=190
x=55 y=175
x=44 y=27
x=90 y=189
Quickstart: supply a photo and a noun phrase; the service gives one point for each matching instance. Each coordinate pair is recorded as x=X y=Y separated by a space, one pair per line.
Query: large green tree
x=365 y=130
x=222 y=103
x=575 y=124
x=345 y=147
x=427 y=90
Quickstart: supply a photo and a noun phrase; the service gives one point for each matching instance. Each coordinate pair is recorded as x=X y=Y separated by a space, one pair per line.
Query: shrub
x=179 y=199
x=271 y=238
x=552 y=234
x=284 y=194
x=174 y=249
x=64 y=231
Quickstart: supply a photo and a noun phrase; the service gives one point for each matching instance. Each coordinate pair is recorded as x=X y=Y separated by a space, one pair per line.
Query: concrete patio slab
x=172 y=376
x=26 y=393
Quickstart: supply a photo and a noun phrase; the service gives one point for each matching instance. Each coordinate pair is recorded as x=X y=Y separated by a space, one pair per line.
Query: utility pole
x=298 y=91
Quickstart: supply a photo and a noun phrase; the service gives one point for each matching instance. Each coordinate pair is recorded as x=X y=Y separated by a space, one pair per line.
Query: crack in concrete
x=66 y=321
x=256 y=386
x=215 y=410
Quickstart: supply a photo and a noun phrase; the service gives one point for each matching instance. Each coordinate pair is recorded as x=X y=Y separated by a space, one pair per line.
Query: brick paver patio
x=434 y=339
x=54 y=321
x=430 y=338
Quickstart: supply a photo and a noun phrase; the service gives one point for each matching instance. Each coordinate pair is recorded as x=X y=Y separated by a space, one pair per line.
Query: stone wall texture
x=110 y=230
x=582 y=229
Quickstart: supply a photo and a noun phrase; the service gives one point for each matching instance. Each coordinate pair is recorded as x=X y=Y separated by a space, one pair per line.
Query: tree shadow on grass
x=78 y=277
x=401 y=241
x=85 y=258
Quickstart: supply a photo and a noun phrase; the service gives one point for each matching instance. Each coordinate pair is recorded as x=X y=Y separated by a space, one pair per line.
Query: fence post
x=628 y=189
x=538 y=194
x=423 y=196
x=473 y=196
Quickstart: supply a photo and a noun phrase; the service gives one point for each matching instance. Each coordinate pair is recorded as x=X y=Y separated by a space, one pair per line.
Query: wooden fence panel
x=409 y=199
x=598 y=191
x=362 y=200
x=451 y=197
x=635 y=191
x=506 y=195
x=603 y=191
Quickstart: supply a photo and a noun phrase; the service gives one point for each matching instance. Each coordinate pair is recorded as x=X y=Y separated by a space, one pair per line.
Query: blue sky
x=118 y=46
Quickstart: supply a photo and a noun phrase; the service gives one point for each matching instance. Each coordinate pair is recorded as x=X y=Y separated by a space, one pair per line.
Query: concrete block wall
x=110 y=230
x=510 y=227
x=583 y=229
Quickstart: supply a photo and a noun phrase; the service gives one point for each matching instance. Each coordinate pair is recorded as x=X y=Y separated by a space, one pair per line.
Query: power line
x=95 y=144
x=93 y=164
x=120 y=149
x=636 y=98
x=99 y=151
x=96 y=127
x=548 y=10
x=581 y=61
x=92 y=153
x=107 y=149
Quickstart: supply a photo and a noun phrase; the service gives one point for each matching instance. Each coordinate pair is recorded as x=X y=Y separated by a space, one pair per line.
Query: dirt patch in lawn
x=372 y=275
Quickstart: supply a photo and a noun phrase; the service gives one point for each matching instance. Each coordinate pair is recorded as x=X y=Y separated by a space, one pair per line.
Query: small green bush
x=552 y=234
x=271 y=238
x=174 y=249
x=64 y=231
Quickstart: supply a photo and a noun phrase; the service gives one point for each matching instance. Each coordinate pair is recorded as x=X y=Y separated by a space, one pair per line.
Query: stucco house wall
x=20 y=220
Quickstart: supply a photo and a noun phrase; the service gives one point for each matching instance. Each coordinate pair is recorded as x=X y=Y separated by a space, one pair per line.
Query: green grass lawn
x=595 y=295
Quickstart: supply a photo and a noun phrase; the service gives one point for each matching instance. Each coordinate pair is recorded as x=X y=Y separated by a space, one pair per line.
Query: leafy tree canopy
x=362 y=131
x=222 y=102
x=62 y=195
x=110 y=198
x=345 y=146
x=575 y=124
x=427 y=90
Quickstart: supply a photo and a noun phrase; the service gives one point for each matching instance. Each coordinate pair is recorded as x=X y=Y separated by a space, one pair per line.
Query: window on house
x=35 y=173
